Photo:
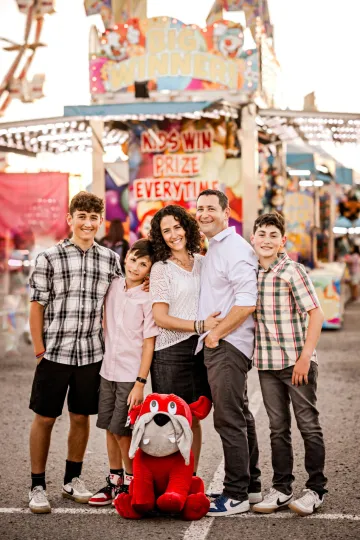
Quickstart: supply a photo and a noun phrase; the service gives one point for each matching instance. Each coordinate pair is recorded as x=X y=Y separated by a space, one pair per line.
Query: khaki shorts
x=113 y=408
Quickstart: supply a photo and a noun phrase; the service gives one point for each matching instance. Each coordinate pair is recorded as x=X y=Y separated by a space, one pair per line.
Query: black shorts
x=52 y=381
x=177 y=370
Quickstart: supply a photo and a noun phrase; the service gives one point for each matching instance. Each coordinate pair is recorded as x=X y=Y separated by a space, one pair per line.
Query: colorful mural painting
x=172 y=161
x=169 y=55
x=299 y=212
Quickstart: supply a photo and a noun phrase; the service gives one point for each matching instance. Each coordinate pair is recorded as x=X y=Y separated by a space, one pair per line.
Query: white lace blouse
x=173 y=285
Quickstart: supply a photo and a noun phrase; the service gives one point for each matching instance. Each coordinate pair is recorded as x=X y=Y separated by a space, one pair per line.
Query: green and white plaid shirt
x=285 y=296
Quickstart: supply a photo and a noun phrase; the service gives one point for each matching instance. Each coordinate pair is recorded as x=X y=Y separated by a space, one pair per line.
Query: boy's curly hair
x=86 y=202
x=188 y=223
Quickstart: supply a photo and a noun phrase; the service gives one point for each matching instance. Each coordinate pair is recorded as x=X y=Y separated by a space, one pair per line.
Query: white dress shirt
x=229 y=278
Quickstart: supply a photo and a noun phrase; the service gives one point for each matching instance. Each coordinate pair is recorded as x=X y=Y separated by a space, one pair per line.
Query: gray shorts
x=113 y=408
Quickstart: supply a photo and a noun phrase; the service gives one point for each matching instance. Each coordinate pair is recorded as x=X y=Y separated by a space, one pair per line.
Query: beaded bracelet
x=199 y=327
x=40 y=355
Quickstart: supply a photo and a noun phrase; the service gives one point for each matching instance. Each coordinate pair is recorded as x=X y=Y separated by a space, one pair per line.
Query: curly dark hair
x=188 y=223
x=86 y=202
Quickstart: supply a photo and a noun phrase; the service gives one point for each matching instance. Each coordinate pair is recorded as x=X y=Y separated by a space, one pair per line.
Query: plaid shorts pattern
x=71 y=285
x=285 y=295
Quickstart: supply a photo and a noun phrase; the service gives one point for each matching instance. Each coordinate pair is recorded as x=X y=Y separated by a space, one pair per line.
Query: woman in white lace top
x=175 y=291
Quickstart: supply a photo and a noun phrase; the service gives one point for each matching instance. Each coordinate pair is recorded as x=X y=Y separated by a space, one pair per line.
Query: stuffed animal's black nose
x=161 y=419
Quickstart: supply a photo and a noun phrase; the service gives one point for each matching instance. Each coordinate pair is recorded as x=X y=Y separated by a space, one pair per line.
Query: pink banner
x=36 y=202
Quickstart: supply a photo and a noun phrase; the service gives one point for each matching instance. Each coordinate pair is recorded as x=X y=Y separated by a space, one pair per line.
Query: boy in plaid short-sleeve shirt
x=68 y=288
x=286 y=358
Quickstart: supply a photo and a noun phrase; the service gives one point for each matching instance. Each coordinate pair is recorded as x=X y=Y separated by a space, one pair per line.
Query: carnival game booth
x=173 y=151
x=162 y=153
x=312 y=188
x=310 y=212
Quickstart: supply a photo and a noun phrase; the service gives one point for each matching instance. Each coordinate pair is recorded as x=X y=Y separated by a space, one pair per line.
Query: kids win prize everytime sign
x=173 y=56
x=172 y=171
x=171 y=162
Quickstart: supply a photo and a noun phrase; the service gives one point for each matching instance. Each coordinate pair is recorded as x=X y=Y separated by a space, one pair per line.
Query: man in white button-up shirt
x=229 y=285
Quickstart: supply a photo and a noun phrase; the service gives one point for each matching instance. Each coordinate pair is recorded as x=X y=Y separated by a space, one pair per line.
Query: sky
x=316 y=41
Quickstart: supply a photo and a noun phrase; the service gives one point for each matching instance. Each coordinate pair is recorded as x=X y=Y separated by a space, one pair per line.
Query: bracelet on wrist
x=141 y=380
x=40 y=354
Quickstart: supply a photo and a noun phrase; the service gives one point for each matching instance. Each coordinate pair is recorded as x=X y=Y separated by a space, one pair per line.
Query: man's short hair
x=143 y=248
x=223 y=200
x=86 y=202
x=273 y=218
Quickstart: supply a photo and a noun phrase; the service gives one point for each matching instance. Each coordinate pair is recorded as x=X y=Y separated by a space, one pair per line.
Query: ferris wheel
x=15 y=84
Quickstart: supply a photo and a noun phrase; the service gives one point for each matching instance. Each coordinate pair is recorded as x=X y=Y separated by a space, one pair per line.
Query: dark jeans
x=277 y=392
x=227 y=374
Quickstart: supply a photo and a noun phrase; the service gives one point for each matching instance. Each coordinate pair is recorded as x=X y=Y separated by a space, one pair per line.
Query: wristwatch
x=140 y=379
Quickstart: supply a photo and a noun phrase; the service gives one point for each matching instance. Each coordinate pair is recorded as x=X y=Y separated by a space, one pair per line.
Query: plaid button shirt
x=285 y=295
x=71 y=285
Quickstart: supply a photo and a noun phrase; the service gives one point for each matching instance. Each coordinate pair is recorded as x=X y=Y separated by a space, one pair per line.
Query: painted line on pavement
x=87 y=511
x=198 y=530
x=206 y=521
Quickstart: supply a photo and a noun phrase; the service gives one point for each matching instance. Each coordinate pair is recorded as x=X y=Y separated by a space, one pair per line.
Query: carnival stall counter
x=332 y=290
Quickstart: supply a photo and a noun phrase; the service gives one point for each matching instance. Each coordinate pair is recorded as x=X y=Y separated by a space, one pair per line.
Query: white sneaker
x=38 y=501
x=76 y=491
x=255 y=498
x=272 y=501
x=223 y=506
x=307 y=504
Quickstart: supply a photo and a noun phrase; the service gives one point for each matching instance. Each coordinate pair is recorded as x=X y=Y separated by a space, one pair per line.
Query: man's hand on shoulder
x=146 y=284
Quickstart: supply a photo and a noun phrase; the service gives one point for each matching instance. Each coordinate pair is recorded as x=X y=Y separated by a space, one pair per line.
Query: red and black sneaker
x=108 y=493
x=124 y=488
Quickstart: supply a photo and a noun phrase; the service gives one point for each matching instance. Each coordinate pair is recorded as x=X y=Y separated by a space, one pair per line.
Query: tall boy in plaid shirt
x=287 y=362
x=68 y=287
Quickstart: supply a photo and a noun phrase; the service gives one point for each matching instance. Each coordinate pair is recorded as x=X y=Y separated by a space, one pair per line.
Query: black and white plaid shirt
x=71 y=285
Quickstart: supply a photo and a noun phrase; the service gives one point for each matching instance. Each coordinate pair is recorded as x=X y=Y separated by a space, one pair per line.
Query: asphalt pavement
x=338 y=518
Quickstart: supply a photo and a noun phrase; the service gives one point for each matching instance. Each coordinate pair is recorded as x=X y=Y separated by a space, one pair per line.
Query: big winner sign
x=173 y=56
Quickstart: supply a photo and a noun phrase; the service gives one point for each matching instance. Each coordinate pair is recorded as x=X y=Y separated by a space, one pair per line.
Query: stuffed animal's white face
x=159 y=437
x=161 y=434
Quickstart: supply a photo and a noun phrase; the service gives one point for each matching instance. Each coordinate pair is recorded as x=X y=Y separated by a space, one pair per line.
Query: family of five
x=197 y=324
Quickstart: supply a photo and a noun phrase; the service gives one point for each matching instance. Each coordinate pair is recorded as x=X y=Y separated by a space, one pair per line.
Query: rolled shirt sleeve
x=150 y=328
x=116 y=267
x=243 y=278
x=159 y=284
x=303 y=290
x=41 y=280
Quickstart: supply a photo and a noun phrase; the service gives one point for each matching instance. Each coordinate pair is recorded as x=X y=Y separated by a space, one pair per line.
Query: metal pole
x=332 y=192
x=249 y=168
x=98 y=169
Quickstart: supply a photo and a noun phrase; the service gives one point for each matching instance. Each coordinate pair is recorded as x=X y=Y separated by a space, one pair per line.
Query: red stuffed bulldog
x=163 y=460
